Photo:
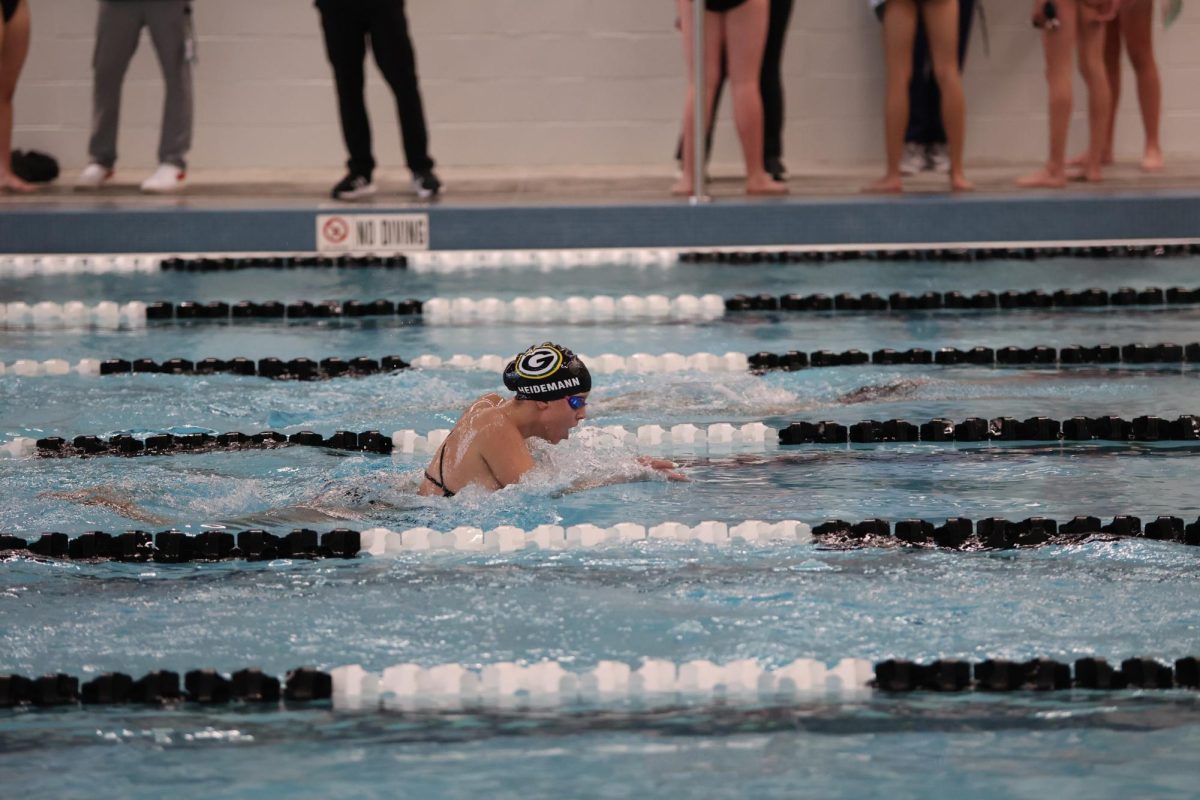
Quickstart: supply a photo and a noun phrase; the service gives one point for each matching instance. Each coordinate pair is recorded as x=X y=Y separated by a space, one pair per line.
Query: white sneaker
x=939 y=158
x=94 y=176
x=167 y=178
x=913 y=160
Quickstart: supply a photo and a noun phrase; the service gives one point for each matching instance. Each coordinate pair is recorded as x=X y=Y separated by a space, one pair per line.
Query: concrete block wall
x=552 y=83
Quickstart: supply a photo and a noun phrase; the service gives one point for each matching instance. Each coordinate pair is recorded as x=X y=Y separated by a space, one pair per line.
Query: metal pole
x=699 y=156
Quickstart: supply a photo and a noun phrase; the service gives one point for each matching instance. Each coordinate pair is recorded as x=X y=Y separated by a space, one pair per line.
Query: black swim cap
x=547 y=372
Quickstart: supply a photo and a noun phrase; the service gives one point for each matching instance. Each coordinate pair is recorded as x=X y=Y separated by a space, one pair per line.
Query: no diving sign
x=347 y=233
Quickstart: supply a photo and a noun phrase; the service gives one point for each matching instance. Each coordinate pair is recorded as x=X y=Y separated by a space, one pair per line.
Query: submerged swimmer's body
x=488 y=447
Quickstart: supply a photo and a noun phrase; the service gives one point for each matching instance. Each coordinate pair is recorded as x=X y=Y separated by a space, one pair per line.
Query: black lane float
x=86 y=445
x=942 y=254
x=1185 y=428
x=302 y=369
x=983 y=356
x=302 y=261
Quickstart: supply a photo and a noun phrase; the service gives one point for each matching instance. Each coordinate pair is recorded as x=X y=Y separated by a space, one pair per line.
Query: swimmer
x=900 y=388
x=110 y=497
x=488 y=447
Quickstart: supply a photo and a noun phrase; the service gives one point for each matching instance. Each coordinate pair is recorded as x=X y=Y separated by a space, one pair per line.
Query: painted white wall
x=549 y=83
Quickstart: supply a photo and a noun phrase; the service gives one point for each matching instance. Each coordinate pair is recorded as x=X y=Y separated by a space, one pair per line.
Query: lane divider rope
x=716 y=436
x=638 y=363
x=599 y=308
x=753 y=434
x=258 y=545
x=952 y=253
x=1011 y=355
x=465 y=260
x=982 y=300
x=335 y=367
x=954 y=533
x=976 y=429
x=435 y=311
x=653 y=683
x=434 y=261
x=106 y=315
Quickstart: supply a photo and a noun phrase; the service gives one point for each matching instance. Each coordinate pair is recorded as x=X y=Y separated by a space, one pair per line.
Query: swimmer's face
x=559 y=417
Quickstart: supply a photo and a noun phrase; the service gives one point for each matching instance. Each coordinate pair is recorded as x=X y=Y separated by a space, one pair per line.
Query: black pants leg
x=771 y=81
x=345 y=31
x=394 y=54
x=925 y=99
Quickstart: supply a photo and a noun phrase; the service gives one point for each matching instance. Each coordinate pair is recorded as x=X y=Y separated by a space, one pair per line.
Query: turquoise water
x=774 y=603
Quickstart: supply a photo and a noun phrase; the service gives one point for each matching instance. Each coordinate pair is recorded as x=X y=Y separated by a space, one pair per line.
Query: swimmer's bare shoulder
x=489 y=449
x=489 y=400
x=484 y=415
x=502 y=446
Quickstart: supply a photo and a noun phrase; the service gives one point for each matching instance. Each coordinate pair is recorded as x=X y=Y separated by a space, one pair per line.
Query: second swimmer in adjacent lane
x=488 y=446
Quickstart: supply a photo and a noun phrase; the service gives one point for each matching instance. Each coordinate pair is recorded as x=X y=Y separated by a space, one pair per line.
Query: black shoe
x=776 y=170
x=426 y=185
x=353 y=187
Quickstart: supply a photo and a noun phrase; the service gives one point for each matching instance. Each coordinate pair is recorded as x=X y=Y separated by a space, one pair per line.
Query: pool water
x=770 y=602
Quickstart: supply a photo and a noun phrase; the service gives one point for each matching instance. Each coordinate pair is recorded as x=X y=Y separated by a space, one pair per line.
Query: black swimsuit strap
x=440 y=481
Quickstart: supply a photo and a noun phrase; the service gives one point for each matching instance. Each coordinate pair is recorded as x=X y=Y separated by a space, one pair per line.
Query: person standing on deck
x=14 y=45
x=346 y=26
x=117 y=32
x=941 y=18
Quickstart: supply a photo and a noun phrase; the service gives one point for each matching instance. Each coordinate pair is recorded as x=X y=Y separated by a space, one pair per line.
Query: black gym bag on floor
x=34 y=167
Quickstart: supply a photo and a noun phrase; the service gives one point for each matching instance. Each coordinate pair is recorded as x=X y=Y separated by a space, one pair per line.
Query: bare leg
x=899 y=33
x=1112 y=68
x=1091 y=66
x=14 y=45
x=712 y=71
x=745 y=38
x=941 y=24
x=1137 y=25
x=1058 y=46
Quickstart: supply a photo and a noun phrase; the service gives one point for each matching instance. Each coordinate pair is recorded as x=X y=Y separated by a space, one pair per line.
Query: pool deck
x=604 y=207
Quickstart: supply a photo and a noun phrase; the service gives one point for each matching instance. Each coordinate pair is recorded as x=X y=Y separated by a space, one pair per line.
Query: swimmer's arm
x=660 y=465
x=507 y=456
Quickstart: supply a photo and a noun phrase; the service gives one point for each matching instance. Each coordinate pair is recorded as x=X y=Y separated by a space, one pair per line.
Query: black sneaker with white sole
x=426 y=184
x=353 y=187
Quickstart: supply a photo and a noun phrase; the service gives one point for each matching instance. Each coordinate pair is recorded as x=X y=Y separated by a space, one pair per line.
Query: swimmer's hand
x=667 y=468
x=653 y=465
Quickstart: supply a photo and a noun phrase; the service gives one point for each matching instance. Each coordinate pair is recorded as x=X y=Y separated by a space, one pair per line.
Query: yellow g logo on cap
x=539 y=362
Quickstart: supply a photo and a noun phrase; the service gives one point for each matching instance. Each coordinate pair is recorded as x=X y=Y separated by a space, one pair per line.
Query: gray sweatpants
x=117 y=32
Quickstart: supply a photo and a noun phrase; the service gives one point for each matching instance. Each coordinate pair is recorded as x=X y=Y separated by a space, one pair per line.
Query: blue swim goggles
x=576 y=402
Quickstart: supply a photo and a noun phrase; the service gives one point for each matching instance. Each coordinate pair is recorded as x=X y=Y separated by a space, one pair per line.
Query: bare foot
x=682 y=188
x=959 y=183
x=1152 y=161
x=12 y=183
x=766 y=185
x=1043 y=179
x=1082 y=159
x=888 y=184
x=1086 y=175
